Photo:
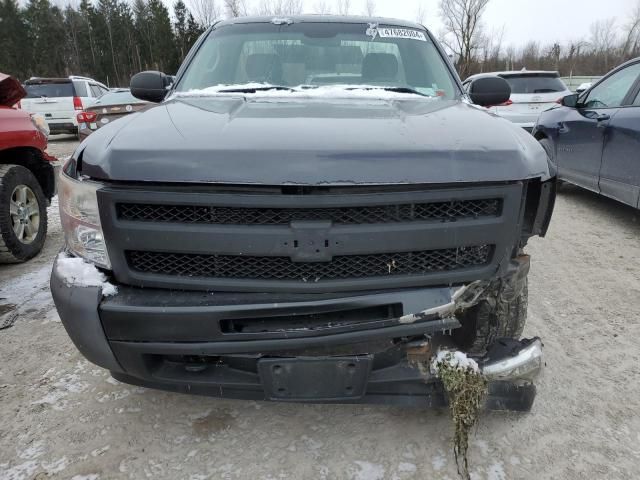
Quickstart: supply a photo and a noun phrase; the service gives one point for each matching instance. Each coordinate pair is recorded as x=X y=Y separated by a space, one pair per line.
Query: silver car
x=532 y=92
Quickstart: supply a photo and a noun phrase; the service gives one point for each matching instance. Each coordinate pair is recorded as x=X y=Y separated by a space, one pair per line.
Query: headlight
x=81 y=219
x=40 y=123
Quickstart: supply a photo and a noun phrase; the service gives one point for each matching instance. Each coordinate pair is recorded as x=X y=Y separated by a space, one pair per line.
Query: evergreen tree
x=13 y=38
x=180 y=28
x=46 y=38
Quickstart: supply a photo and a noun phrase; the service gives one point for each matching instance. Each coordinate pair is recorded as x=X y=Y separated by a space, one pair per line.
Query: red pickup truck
x=27 y=176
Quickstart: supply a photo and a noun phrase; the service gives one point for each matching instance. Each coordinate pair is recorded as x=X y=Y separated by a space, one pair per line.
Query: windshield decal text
x=386 y=32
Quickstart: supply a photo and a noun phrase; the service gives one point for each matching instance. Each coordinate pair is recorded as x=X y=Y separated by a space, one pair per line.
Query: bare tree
x=235 y=8
x=344 y=7
x=603 y=38
x=510 y=57
x=280 y=7
x=322 y=7
x=370 y=7
x=205 y=11
x=421 y=13
x=461 y=20
x=554 y=52
x=631 y=46
x=490 y=45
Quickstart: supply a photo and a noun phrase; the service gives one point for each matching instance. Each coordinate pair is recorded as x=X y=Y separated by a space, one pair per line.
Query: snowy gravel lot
x=61 y=417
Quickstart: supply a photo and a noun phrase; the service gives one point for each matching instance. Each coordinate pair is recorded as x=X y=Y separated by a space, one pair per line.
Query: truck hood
x=304 y=141
x=11 y=92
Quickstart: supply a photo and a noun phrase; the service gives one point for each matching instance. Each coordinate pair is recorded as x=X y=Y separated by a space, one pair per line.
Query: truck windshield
x=352 y=55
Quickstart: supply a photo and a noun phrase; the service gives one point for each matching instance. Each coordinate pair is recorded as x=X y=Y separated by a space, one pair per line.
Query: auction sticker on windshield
x=386 y=32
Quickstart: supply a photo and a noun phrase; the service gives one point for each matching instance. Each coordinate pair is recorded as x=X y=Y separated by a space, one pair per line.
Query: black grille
x=436 y=211
x=282 y=268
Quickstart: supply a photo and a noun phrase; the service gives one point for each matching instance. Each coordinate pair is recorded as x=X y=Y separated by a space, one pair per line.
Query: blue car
x=593 y=138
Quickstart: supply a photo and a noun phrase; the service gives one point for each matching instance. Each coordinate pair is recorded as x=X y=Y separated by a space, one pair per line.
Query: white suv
x=58 y=100
x=532 y=92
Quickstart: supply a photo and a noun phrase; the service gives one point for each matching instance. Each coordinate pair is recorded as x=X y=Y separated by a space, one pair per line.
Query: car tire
x=23 y=214
x=502 y=313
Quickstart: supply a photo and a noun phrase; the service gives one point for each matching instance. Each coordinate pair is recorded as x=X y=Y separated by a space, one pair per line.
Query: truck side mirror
x=489 y=91
x=150 y=85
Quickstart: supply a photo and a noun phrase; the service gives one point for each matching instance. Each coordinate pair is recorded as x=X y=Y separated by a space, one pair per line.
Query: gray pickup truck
x=310 y=212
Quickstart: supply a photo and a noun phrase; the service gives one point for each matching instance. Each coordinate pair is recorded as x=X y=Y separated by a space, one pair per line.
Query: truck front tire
x=23 y=214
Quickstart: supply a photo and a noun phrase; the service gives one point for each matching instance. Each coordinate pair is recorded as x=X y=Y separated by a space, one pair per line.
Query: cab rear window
x=50 y=90
x=535 y=83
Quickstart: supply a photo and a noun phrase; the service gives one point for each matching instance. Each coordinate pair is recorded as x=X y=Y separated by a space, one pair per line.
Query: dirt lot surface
x=61 y=417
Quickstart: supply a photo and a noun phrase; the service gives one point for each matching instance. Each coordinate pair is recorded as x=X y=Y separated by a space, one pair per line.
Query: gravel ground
x=62 y=417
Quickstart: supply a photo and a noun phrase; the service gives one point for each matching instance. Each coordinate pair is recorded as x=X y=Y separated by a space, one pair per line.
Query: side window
x=103 y=90
x=95 y=91
x=636 y=102
x=80 y=88
x=611 y=92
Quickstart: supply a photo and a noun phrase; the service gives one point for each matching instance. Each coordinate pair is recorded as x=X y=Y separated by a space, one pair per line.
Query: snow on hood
x=324 y=91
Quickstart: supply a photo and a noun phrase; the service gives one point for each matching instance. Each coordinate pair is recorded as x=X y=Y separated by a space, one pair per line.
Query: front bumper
x=218 y=344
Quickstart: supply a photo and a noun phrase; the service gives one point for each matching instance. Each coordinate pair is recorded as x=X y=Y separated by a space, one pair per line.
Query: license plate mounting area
x=311 y=379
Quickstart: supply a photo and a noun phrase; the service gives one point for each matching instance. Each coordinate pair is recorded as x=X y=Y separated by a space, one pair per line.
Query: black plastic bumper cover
x=389 y=378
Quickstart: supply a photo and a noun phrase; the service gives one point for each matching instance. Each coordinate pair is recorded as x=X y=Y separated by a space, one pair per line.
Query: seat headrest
x=264 y=67
x=379 y=67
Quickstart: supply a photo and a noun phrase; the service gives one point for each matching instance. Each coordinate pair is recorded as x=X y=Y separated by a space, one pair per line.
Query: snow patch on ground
x=57 y=466
x=454 y=359
x=496 y=472
x=35 y=450
x=51 y=317
x=439 y=462
x=406 y=467
x=369 y=471
x=22 y=471
x=61 y=385
x=327 y=92
x=79 y=273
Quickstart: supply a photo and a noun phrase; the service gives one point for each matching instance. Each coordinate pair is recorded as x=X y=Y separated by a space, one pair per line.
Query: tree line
x=478 y=49
x=110 y=40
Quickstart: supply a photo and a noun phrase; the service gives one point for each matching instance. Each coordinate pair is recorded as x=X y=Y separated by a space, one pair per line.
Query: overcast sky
x=524 y=20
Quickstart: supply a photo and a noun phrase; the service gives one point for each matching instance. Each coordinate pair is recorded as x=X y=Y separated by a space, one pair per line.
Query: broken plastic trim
x=526 y=364
x=462 y=298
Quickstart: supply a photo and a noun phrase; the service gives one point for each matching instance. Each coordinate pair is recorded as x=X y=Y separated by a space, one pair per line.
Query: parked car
x=532 y=92
x=594 y=137
x=27 y=178
x=60 y=99
x=253 y=236
x=109 y=107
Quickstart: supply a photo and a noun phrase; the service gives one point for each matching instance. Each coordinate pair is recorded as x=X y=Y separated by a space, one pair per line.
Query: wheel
x=501 y=314
x=23 y=214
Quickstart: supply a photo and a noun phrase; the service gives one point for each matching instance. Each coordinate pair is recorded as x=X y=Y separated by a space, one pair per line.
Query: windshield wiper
x=389 y=89
x=256 y=89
